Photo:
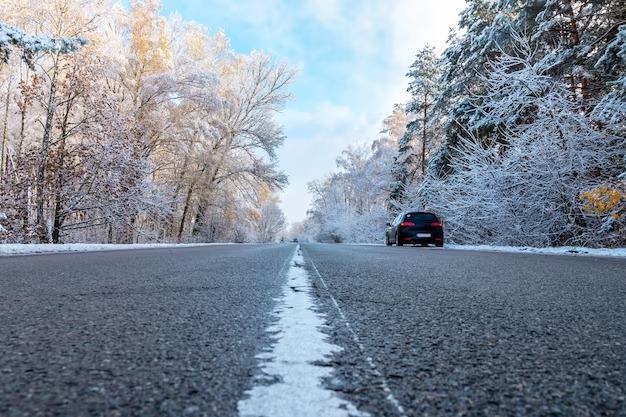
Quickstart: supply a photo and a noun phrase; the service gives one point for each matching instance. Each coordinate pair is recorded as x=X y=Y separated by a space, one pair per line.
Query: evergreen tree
x=413 y=147
x=524 y=77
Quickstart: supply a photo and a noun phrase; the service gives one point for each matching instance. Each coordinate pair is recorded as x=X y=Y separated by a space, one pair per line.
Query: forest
x=514 y=135
x=119 y=125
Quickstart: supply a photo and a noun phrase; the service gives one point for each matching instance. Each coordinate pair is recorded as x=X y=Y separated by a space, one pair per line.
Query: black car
x=416 y=227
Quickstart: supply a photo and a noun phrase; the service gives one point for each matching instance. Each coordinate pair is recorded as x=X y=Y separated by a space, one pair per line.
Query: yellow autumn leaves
x=606 y=200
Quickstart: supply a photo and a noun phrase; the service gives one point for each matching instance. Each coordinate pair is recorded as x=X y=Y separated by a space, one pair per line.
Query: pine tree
x=415 y=144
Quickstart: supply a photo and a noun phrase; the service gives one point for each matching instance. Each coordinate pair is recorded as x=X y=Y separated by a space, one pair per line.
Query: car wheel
x=398 y=241
x=387 y=242
x=439 y=244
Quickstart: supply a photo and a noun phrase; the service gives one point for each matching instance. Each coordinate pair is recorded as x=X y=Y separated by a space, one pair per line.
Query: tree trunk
x=42 y=229
x=59 y=216
x=58 y=219
x=185 y=210
x=568 y=11
x=199 y=219
x=5 y=131
x=177 y=189
x=130 y=234
x=20 y=143
x=424 y=136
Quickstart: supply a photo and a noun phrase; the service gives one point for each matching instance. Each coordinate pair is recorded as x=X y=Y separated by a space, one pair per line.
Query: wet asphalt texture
x=464 y=333
x=157 y=332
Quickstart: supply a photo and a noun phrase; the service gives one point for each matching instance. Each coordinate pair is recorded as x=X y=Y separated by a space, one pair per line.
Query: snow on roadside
x=562 y=250
x=26 y=249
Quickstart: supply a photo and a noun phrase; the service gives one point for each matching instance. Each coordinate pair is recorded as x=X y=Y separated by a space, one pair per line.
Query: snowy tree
x=246 y=135
x=51 y=60
x=512 y=61
x=525 y=190
x=423 y=89
x=420 y=136
x=607 y=201
x=155 y=130
x=267 y=221
x=76 y=164
x=483 y=35
x=350 y=205
x=571 y=34
x=575 y=34
x=302 y=231
x=30 y=45
x=610 y=112
x=329 y=209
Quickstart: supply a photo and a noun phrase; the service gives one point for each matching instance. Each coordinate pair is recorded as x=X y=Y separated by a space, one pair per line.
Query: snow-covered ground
x=18 y=249
x=564 y=250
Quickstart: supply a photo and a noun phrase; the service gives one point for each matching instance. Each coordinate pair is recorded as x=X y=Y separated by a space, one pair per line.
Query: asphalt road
x=460 y=333
x=424 y=331
x=135 y=333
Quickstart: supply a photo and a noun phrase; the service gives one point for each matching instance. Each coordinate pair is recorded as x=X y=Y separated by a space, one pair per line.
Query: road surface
x=419 y=331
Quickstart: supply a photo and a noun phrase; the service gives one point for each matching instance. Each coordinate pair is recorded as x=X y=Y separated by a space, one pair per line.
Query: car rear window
x=427 y=217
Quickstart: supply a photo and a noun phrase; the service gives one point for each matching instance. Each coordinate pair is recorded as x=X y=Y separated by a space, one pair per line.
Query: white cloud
x=413 y=25
x=324 y=11
x=416 y=24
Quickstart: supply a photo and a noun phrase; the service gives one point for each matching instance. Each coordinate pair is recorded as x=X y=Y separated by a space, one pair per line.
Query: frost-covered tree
x=330 y=210
x=610 y=112
x=266 y=219
x=234 y=147
x=30 y=45
x=575 y=48
x=50 y=62
x=420 y=137
x=155 y=130
x=351 y=205
x=482 y=36
x=525 y=190
x=85 y=144
x=246 y=134
x=575 y=34
x=423 y=88
x=607 y=202
x=572 y=34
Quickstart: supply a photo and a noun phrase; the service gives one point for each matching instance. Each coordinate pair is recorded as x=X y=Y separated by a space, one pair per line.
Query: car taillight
x=407 y=224
x=436 y=224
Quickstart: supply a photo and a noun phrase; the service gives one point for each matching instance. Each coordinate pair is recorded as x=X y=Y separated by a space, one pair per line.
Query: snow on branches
x=522 y=185
x=29 y=44
x=155 y=131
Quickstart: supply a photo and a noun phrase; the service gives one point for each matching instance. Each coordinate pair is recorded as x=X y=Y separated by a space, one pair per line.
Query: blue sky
x=352 y=57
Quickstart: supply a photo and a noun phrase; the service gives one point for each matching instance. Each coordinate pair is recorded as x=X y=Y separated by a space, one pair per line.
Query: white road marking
x=299 y=343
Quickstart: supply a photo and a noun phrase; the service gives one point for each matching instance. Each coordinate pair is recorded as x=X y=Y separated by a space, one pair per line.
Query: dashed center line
x=389 y=394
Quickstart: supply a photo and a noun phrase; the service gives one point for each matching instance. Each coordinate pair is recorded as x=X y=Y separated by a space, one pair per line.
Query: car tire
x=439 y=244
x=387 y=242
x=398 y=241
